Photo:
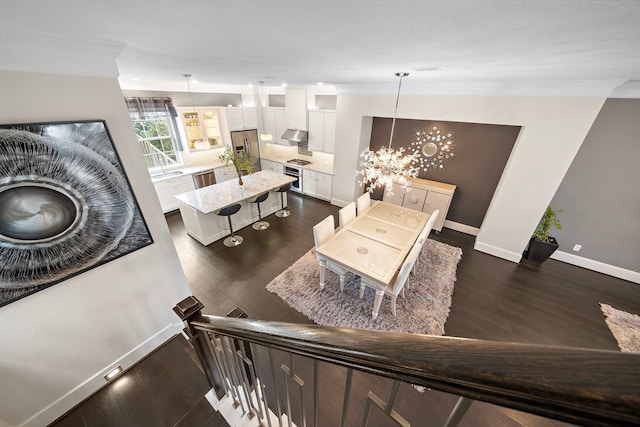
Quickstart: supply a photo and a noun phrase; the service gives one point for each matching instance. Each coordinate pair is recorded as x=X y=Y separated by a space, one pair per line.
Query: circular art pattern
x=433 y=148
x=63 y=207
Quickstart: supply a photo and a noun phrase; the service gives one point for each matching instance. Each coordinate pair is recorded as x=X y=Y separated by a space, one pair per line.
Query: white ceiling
x=356 y=45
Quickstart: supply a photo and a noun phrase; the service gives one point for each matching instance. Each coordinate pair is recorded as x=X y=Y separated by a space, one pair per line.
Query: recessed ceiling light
x=250 y=85
x=320 y=84
x=135 y=78
x=283 y=85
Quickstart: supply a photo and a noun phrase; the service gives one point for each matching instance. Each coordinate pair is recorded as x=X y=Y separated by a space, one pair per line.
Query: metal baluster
x=253 y=375
x=227 y=370
x=286 y=371
x=218 y=363
x=386 y=407
x=458 y=412
x=231 y=363
x=260 y=388
x=300 y=383
x=316 y=390
x=345 y=402
x=275 y=387
x=246 y=386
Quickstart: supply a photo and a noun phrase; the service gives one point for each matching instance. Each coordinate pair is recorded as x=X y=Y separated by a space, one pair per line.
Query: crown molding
x=24 y=50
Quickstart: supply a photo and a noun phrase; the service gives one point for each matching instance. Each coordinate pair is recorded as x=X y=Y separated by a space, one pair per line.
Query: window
x=155 y=125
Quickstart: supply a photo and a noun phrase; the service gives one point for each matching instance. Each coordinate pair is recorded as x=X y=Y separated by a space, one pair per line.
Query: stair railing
x=580 y=386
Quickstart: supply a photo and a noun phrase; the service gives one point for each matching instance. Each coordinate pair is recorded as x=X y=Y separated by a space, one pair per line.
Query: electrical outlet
x=577 y=248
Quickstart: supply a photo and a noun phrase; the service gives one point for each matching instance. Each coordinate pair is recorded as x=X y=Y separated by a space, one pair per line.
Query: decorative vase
x=240 y=180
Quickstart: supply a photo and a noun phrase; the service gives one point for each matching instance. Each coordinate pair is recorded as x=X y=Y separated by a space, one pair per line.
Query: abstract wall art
x=66 y=205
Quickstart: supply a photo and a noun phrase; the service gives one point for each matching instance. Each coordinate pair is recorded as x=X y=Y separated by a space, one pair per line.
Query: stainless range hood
x=295 y=136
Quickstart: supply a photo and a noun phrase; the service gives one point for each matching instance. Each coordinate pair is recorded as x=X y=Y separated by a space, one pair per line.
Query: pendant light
x=264 y=136
x=386 y=166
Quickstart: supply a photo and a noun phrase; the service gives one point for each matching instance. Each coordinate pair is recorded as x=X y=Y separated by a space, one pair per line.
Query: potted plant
x=542 y=245
x=241 y=161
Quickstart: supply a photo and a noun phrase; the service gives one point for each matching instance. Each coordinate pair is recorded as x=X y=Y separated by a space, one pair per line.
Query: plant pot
x=538 y=252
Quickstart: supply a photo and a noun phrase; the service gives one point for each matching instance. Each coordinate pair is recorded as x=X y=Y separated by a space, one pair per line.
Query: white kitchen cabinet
x=271 y=165
x=275 y=123
x=309 y=183
x=322 y=131
x=317 y=184
x=200 y=127
x=324 y=183
x=425 y=196
x=296 y=108
x=225 y=173
x=168 y=188
x=241 y=118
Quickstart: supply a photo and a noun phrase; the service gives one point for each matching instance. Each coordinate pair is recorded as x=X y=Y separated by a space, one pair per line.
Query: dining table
x=374 y=245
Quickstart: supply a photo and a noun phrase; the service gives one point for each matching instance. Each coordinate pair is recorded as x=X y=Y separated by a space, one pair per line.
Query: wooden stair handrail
x=581 y=386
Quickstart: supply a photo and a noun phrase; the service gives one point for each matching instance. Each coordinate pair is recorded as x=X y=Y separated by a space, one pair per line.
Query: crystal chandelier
x=386 y=166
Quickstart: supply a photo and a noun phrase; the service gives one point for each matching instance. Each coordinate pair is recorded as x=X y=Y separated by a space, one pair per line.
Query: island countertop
x=209 y=199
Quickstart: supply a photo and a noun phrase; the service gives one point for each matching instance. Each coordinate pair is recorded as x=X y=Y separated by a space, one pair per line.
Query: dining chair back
x=363 y=202
x=426 y=230
x=322 y=232
x=347 y=214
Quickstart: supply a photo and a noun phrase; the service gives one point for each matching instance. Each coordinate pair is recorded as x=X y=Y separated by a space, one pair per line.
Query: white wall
x=56 y=345
x=553 y=128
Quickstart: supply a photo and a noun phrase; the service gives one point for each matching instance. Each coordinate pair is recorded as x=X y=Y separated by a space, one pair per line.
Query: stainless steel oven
x=296 y=173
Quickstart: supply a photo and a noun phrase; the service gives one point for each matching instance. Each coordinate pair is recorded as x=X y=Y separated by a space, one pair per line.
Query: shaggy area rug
x=624 y=326
x=423 y=310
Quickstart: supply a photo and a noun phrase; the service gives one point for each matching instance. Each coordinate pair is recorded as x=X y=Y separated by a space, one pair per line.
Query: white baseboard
x=94 y=383
x=498 y=252
x=463 y=228
x=600 y=267
x=338 y=202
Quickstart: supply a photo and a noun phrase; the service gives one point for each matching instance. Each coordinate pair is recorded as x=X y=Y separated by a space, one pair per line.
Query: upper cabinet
x=296 y=102
x=201 y=127
x=322 y=131
x=275 y=123
x=241 y=118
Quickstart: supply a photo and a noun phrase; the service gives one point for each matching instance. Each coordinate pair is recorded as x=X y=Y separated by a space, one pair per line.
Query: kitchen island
x=198 y=207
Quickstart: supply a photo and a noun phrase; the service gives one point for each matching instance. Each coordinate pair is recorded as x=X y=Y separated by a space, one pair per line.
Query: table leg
x=376 y=303
x=323 y=269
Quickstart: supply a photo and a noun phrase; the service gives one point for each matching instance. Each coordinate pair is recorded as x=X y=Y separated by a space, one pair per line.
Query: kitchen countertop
x=187 y=170
x=216 y=196
x=318 y=167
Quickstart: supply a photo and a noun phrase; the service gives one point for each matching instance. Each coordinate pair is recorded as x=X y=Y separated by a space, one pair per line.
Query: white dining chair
x=426 y=230
x=396 y=286
x=347 y=214
x=363 y=202
x=322 y=232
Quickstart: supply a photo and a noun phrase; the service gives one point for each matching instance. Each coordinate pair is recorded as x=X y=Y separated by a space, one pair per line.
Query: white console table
x=425 y=196
x=198 y=207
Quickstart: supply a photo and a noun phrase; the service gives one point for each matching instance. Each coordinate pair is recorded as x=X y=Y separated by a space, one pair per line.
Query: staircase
x=280 y=374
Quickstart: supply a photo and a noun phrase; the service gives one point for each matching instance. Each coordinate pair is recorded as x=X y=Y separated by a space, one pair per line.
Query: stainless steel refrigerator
x=247 y=140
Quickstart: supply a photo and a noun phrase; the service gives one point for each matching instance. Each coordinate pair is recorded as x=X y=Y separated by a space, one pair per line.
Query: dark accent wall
x=481 y=153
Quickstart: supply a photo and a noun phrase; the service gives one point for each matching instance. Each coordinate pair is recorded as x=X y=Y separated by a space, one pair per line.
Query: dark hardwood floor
x=166 y=388
x=493 y=299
